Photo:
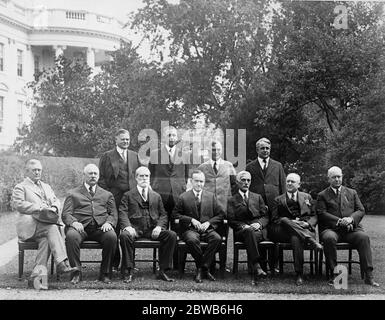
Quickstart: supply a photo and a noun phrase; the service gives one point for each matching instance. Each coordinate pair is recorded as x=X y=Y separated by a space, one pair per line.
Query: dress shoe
x=105 y=279
x=370 y=281
x=40 y=286
x=209 y=276
x=115 y=269
x=299 y=280
x=163 y=276
x=198 y=277
x=314 y=244
x=260 y=272
x=64 y=267
x=76 y=277
x=127 y=277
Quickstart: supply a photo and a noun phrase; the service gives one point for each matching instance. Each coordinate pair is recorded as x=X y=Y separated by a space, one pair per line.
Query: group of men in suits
x=124 y=200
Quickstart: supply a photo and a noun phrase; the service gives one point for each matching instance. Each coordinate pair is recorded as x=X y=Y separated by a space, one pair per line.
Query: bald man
x=340 y=212
x=142 y=215
x=248 y=217
x=294 y=221
x=89 y=213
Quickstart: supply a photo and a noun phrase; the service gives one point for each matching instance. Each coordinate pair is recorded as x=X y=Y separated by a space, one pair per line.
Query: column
x=91 y=57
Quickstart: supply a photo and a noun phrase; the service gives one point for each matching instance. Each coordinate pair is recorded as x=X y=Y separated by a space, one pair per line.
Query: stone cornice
x=20 y=25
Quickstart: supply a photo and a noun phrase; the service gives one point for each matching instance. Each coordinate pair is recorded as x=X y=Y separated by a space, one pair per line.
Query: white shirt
x=122 y=152
x=289 y=194
x=243 y=194
x=335 y=190
x=262 y=164
x=219 y=161
x=199 y=195
x=140 y=189
x=88 y=187
x=171 y=150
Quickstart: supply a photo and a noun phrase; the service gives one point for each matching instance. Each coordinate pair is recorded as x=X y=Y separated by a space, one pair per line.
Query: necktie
x=198 y=204
x=124 y=156
x=292 y=197
x=144 y=194
x=264 y=166
x=215 y=167
x=92 y=193
x=245 y=198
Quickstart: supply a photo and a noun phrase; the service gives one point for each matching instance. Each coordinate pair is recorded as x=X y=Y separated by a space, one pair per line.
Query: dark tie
x=92 y=193
x=170 y=163
x=264 y=166
x=198 y=204
x=215 y=167
x=292 y=197
x=144 y=194
x=245 y=198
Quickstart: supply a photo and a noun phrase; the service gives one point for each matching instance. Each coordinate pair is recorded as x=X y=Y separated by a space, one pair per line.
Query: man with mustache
x=89 y=213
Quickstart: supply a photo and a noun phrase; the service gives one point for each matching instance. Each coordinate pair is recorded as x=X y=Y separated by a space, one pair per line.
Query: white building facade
x=30 y=40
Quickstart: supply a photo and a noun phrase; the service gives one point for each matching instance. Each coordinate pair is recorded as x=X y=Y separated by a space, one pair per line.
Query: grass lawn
x=7 y=226
x=144 y=279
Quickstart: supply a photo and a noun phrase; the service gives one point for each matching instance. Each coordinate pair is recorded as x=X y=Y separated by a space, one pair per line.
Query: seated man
x=89 y=213
x=35 y=201
x=294 y=221
x=340 y=212
x=248 y=217
x=142 y=215
x=199 y=216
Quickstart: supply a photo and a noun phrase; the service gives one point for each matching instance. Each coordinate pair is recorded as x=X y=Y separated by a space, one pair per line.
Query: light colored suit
x=28 y=199
x=221 y=184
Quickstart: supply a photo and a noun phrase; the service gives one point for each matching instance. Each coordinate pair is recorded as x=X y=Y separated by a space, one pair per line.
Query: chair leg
x=153 y=260
x=52 y=264
x=271 y=259
x=21 y=263
x=311 y=262
x=222 y=261
x=180 y=262
x=235 y=261
x=350 y=261
x=280 y=260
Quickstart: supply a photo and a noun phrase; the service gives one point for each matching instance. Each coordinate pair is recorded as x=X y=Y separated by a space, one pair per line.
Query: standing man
x=248 y=217
x=340 y=212
x=89 y=213
x=294 y=221
x=117 y=173
x=199 y=216
x=219 y=174
x=267 y=175
x=36 y=203
x=169 y=167
x=142 y=215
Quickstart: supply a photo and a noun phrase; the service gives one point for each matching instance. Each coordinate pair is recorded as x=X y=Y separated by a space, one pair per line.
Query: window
x=20 y=63
x=36 y=60
x=1 y=111
x=19 y=114
x=1 y=57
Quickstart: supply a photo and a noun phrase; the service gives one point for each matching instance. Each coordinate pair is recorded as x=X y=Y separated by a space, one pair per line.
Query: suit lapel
x=114 y=158
x=269 y=169
x=205 y=203
x=85 y=192
x=284 y=202
x=33 y=187
x=191 y=199
x=302 y=204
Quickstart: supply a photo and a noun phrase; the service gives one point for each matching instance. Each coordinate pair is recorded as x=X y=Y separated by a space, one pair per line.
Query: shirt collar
x=219 y=161
x=335 y=189
x=262 y=164
x=196 y=194
x=120 y=150
x=88 y=187
x=38 y=183
x=243 y=193
x=295 y=195
x=140 y=189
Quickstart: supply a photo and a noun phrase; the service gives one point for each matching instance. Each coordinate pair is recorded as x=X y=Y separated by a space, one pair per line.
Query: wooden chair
x=350 y=261
x=222 y=252
x=28 y=245
x=265 y=245
x=313 y=257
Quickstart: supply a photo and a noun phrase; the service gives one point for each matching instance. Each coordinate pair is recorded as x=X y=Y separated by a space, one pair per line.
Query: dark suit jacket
x=306 y=205
x=81 y=207
x=328 y=209
x=131 y=211
x=166 y=179
x=109 y=169
x=185 y=210
x=271 y=185
x=239 y=215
